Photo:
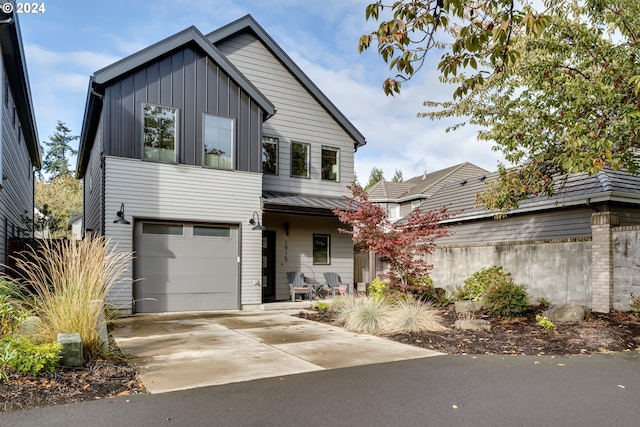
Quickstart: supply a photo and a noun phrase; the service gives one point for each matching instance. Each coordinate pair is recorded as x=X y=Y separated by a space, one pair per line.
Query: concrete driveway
x=187 y=350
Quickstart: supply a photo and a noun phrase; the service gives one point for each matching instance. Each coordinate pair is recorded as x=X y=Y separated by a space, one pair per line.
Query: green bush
x=635 y=305
x=11 y=315
x=506 y=299
x=545 y=323
x=21 y=354
x=379 y=289
x=475 y=286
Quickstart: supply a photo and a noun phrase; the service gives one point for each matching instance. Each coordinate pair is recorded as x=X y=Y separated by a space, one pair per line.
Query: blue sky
x=74 y=38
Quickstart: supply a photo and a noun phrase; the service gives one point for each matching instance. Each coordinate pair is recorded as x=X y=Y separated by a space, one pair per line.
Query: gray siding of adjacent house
x=16 y=195
x=300 y=118
x=556 y=224
x=93 y=187
x=167 y=192
x=190 y=81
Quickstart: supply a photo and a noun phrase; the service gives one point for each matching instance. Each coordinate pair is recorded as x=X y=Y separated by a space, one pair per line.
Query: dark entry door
x=268 y=266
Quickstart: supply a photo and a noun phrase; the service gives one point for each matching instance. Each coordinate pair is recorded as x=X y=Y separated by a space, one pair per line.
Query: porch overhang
x=301 y=205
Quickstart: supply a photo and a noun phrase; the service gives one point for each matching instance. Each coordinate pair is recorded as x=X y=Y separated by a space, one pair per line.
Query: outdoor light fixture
x=120 y=215
x=255 y=221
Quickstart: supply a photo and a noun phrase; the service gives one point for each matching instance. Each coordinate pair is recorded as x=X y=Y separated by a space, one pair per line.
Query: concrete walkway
x=188 y=350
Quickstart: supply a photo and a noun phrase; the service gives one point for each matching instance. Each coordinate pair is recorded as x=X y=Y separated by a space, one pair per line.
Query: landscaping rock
x=467 y=309
x=567 y=313
x=71 y=352
x=473 y=325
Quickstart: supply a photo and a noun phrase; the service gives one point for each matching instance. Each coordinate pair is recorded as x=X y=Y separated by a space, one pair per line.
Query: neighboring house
x=19 y=145
x=75 y=226
x=400 y=198
x=197 y=141
x=579 y=246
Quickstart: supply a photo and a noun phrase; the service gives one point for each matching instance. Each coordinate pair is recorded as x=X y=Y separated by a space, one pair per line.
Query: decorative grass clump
x=343 y=305
x=62 y=278
x=409 y=315
x=368 y=316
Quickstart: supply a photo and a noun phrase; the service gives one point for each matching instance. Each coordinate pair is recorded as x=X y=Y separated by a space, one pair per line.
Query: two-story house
x=218 y=162
x=19 y=145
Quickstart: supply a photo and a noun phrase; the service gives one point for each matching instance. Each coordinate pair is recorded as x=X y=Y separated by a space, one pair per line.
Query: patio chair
x=297 y=285
x=334 y=283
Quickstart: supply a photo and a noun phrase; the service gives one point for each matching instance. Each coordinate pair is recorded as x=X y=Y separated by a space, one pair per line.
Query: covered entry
x=185 y=267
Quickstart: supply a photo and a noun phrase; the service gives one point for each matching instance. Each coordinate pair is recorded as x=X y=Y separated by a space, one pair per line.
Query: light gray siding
x=16 y=194
x=299 y=118
x=190 y=81
x=294 y=252
x=93 y=187
x=183 y=193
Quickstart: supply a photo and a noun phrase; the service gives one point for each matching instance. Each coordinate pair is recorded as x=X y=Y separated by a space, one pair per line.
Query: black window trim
x=308 y=176
x=317 y=235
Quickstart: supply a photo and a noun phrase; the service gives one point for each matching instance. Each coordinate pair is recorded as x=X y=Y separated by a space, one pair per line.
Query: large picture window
x=160 y=133
x=300 y=159
x=321 y=249
x=330 y=164
x=218 y=141
x=269 y=155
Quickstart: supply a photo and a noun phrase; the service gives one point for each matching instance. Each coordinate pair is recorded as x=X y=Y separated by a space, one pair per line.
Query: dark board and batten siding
x=190 y=81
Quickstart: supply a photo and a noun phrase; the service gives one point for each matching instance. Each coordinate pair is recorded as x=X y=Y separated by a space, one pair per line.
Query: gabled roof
x=247 y=23
x=388 y=191
x=117 y=70
x=16 y=69
x=422 y=186
x=577 y=189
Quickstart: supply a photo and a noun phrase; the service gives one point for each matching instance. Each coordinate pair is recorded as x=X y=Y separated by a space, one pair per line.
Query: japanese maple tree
x=401 y=244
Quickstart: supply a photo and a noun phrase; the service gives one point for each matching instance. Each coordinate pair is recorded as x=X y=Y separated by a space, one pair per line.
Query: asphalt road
x=594 y=390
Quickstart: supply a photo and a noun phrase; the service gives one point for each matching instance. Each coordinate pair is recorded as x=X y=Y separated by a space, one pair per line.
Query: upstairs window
x=393 y=211
x=330 y=164
x=300 y=159
x=269 y=155
x=415 y=204
x=160 y=133
x=218 y=141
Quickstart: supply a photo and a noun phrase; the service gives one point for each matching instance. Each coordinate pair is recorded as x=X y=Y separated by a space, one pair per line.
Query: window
x=330 y=164
x=393 y=211
x=211 y=231
x=415 y=204
x=300 y=159
x=321 y=249
x=218 y=141
x=160 y=133
x=162 y=229
x=269 y=155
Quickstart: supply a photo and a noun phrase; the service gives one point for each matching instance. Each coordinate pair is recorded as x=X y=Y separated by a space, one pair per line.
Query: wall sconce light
x=286 y=228
x=120 y=215
x=255 y=221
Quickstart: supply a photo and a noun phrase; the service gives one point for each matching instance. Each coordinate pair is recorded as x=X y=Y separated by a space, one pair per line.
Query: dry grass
x=63 y=278
x=368 y=316
x=410 y=316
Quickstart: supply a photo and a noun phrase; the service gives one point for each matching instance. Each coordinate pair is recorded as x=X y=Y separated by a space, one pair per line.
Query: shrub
x=475 y=286
x=21 y=354
x=545 y=323
x=63 y=278
x=411 y=315
x=322 y=306
x=506 y=299
x=368 y=316
x=544 y=303
x=344 y=305
x=635 y=305
x=379 y=289
x=11 y=315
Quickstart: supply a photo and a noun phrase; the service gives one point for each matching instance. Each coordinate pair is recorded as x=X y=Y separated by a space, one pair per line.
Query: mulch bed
x=100 y=380
x=612 y=332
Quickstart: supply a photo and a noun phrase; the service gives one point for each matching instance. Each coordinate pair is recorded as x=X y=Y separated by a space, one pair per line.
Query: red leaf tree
x=401 y=244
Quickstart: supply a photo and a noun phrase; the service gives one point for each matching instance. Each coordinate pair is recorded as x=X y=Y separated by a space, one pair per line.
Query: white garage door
x=185 y=267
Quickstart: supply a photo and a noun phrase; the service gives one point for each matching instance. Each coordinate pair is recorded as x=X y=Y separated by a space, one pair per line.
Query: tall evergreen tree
x=375 y=177
x=58 y=151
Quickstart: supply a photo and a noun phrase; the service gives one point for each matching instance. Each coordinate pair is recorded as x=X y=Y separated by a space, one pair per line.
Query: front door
x=268 y=266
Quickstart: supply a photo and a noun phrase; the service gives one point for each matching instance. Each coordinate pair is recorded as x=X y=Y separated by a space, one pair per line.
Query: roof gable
x=248 y=23
x=189 y=35
x=16 y=70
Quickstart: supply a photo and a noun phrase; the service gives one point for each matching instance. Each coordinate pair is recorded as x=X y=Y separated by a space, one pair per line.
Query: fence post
x=602 y=260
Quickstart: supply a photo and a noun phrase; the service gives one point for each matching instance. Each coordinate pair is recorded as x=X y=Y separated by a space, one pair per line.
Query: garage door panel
x=186 y=272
